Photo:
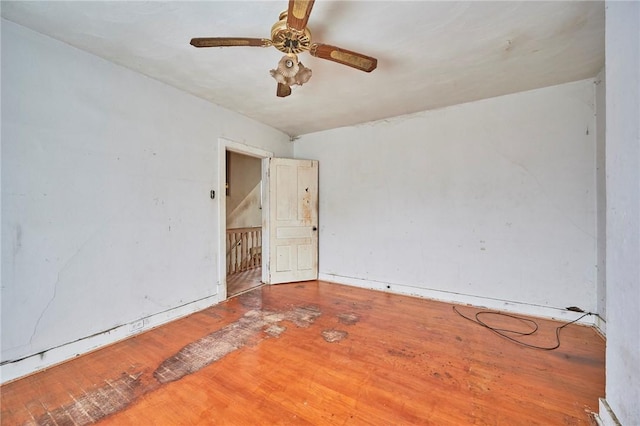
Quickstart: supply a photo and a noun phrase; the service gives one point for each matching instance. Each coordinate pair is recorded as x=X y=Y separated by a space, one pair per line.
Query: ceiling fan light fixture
x=288 y=66
x=290 y=71
x=303 y=75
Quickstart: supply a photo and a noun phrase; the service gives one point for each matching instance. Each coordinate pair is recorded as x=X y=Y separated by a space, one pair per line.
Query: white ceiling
x=430 y=54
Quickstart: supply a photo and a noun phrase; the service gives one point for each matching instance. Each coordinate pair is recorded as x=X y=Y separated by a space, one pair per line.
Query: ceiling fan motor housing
x=289 y=40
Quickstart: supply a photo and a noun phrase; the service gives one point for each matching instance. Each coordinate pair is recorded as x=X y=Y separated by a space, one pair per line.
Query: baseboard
x=16 y=369
x=31 y=364
x=606 y=416
x=601 y=326
x=463 y=299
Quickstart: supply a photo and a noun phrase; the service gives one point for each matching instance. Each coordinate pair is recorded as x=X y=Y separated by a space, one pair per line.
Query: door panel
x=305 y=257
x=290 y=247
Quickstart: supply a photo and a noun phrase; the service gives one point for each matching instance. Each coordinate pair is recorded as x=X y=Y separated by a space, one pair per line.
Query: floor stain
x=333 y=335
x=402 y=353
x=275 y=330
x=96 y=404
x=115 y=395
x=357 y=306
x=251 y=299
x=211 y=314
x=234 y=336
x=348 y=318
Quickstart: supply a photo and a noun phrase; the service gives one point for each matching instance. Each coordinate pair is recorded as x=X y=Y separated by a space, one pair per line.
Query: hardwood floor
x=321 y=353
x=243 y=281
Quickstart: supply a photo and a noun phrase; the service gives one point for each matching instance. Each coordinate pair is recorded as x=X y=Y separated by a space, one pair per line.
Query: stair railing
x=244 y=249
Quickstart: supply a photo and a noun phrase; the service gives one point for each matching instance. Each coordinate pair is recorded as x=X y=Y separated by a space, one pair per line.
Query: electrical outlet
x=138 y=325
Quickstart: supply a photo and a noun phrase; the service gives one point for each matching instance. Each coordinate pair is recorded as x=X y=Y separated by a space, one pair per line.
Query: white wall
x=601 y=197
x=243 y=202
x=248 y=214
x=491 y=202
x=107 y=222
x=623 y=213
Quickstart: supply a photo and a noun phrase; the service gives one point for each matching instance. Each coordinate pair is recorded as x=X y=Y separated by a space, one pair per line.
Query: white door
x=290 y=223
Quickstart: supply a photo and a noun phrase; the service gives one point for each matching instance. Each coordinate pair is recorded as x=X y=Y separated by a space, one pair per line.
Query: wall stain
x=17 y=245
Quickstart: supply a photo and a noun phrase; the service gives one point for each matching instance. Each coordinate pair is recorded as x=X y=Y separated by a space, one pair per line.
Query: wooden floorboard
x=321 y=353
x=243 y=281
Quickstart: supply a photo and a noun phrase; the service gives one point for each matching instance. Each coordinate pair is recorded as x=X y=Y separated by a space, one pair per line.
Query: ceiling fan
x=291 y=36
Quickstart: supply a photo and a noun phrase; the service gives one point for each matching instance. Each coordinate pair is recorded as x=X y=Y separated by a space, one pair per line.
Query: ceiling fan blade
x=343 y=56
x=229 y=41
x=298 y=13
x=283 y=90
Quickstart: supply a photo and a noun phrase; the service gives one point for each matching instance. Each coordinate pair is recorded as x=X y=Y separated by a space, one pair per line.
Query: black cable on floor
x=502 y=332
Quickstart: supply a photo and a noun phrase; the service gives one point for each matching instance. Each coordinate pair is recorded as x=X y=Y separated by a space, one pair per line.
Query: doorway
x=240 y=207
x=288 y=244
x=243 y=192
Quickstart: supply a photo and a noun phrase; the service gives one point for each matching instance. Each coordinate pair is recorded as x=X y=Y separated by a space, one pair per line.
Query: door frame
x=225 y=145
